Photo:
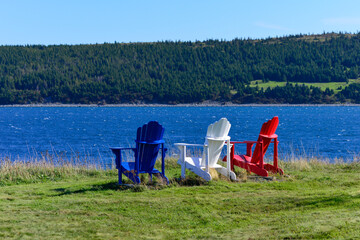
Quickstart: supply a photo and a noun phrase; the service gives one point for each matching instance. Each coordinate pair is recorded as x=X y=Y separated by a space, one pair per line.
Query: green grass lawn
x=332 y=85
x=314 y=200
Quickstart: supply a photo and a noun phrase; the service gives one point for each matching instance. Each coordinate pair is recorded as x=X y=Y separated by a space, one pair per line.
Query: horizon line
x=183 y=41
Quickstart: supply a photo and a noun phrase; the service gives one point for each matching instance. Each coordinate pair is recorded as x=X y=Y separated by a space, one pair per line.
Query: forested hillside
x=182 y=72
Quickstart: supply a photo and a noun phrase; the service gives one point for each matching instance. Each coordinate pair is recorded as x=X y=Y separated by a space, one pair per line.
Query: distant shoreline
x=205 y=104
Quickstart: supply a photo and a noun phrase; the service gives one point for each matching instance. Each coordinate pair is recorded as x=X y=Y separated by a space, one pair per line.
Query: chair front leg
x=228 y=156
x=150 y=178
x=182 y=157
x=249 y=149
x=261 y=161
x=232 y=155
x=137 y=159
x=119 y=169
x=163 y=150
x=276 y=153
x=206 y=149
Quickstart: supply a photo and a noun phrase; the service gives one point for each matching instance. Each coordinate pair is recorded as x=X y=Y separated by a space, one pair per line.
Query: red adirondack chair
x=254 y=162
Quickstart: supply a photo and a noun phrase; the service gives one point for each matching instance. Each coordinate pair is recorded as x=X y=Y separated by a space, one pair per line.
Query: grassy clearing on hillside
x=332 y=85
x=314 y=200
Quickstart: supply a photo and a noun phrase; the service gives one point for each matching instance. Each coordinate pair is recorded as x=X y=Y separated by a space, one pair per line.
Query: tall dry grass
x=50 y=166
x=47 y=167
x=304 y=162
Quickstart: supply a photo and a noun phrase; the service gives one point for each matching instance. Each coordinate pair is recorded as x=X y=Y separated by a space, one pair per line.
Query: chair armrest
x=182 y=148
x=121 y=148
x=269 y=136
x=153 y=142
x=117 y=152
x=249 y=145
x=226 y=138
x=189 y=144
x=236 y=142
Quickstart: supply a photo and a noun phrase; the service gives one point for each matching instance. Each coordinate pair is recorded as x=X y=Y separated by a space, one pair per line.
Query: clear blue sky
x=88 y=21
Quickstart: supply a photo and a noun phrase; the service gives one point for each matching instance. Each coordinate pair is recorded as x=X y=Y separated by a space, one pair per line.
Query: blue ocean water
x=324 y=131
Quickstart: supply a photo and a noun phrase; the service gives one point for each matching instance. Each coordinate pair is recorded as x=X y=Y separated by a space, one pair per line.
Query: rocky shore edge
x=202 y=104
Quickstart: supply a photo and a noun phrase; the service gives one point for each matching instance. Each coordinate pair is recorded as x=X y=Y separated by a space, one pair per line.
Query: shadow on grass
x=97 y=187
x=177 y=182
x=189 y=181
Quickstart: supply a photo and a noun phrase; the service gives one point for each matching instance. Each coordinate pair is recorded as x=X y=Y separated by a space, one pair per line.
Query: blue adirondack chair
x=149 y=140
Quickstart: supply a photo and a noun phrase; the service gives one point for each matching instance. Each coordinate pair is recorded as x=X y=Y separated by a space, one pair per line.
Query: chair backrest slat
x=147 y=150
x=217 y=130
x=268 y=128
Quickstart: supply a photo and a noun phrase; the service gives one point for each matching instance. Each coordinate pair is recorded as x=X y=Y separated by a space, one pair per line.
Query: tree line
x=182 y=72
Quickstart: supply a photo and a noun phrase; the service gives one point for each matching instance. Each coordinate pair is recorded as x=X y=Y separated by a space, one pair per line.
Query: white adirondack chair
x=217 y=135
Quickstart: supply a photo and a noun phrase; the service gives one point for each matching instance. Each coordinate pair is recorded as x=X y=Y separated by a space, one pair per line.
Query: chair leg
x=119 y=177
x=183 y=167
x=206 y=149
x=261 y=162
x=150 y=178
x=232 y=153
x=276 y=153
x=228 y=163
x=163 y=151
x=183 y=170
x=137 y=179
x=166 y=179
